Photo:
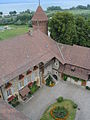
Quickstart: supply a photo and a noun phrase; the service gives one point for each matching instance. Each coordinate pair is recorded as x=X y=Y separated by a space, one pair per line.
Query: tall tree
x=62 y=28
x=82 y=28
x=68 y=29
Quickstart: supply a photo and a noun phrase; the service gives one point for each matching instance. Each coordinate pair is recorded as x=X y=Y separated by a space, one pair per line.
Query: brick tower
x=40 y=20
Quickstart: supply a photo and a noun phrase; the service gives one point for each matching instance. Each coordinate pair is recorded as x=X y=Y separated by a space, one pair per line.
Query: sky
x=45 y=1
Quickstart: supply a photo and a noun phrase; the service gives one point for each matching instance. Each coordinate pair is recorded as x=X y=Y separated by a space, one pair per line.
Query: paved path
x=45 y=96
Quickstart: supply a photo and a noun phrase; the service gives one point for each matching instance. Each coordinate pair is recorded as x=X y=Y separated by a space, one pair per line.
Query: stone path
x=45 y=96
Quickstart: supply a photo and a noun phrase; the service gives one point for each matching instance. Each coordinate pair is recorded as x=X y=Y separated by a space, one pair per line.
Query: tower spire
x=39 y=2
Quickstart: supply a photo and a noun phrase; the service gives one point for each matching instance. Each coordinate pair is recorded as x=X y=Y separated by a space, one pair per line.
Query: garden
x=62 y=109
x=50 y=82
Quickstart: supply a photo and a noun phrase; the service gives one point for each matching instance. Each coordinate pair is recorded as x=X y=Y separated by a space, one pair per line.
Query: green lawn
x=15 y=31
x=68 y=104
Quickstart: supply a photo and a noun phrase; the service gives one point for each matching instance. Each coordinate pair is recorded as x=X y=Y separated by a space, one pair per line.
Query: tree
x=24 y=17
x=83 y=32
x=62 y=28
x=1 y=13
x=12 y=13
x=54 y=8
x=68 y=29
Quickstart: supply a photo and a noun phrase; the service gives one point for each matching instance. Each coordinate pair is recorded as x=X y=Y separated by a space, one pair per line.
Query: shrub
x=65 y=77
x=88 y=88
x=49 y=81
x=75 y=105
x=60 y=99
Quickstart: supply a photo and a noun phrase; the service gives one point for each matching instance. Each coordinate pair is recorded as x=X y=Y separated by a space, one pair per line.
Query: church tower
x=40 y=20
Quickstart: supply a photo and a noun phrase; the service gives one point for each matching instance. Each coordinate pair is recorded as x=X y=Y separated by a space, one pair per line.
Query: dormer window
x=21 y=76
x=8 y=85
x=28 y=72
x=72 y=68
x=35 y=68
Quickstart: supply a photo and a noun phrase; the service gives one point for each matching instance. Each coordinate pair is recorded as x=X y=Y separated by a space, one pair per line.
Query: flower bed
x=59 y=113
x=63 y=107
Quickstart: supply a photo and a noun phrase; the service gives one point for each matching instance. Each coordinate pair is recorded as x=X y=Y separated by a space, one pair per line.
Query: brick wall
x=43 y=26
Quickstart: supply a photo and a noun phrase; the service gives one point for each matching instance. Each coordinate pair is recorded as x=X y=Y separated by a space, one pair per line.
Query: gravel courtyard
x=46 y=96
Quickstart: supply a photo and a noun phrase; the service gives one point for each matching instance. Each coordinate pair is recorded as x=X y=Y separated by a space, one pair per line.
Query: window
x=28 y=72
x=21 y=77
x=20 y=84
x=8 y=85
x=26 y=81
x=33 y=77
x=72 y=68
x=56 y=64
x=9 y=92
x=35 y=68
x=89 y=77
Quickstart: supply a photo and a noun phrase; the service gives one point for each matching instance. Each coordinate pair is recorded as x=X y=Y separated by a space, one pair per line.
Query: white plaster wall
x=54 y=72
x=56 y=64
x=88 y=83
x=47 y=70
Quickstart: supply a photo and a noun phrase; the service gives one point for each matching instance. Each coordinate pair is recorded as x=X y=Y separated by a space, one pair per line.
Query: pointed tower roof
x=39 y=15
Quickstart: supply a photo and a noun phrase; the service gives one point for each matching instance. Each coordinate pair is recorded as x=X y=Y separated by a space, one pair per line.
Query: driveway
x=46 y=96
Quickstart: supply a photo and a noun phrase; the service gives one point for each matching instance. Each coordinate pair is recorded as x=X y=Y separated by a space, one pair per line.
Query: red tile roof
x=22 y=52
x=9 y=113
x=40 y=15
x=76 y=55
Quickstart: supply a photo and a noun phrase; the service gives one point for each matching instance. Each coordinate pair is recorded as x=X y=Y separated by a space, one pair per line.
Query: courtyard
x=47 y=95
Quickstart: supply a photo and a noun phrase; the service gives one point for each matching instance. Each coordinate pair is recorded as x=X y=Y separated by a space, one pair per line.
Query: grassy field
x=68 y=104
x=15 y=31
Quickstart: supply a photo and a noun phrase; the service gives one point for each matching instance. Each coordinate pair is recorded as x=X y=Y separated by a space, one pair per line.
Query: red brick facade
x=40 y=20
x=41 y=25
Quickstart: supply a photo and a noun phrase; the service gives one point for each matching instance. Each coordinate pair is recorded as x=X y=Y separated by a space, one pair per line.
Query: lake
x=6 y=8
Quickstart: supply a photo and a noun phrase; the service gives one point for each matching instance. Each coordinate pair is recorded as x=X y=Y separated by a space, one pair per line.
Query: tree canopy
x=54 y=8
x=67 y=29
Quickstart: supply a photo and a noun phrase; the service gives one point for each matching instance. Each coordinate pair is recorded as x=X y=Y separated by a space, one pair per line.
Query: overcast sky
x=46 y=1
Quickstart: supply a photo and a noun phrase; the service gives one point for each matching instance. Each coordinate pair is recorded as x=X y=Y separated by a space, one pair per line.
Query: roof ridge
x=60 y=52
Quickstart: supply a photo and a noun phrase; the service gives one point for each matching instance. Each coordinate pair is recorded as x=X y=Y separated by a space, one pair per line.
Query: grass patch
x=15 y=31
x=68 y=104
